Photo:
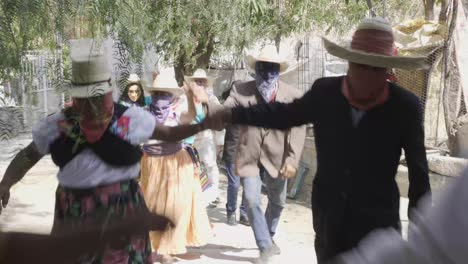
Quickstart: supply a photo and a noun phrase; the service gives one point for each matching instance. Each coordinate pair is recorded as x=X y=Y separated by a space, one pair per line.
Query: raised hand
x=187 y=90
x=198 y=92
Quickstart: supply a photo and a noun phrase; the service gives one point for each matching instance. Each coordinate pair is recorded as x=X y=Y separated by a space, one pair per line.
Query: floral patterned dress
x=91 y=191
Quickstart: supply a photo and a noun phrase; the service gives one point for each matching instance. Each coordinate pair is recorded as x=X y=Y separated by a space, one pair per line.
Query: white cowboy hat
x=165 y=83
x=200 y=74
x=267 y=54
x=91 y=71
x=374 y=59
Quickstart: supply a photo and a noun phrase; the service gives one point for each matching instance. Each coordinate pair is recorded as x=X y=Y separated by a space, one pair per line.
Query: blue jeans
x=264 y=225
x=232 y=191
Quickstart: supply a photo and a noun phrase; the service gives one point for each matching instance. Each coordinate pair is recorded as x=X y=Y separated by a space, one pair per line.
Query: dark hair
x=141 y=100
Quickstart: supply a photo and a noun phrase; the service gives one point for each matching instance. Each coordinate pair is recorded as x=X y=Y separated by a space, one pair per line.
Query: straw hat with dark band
x=373 y=44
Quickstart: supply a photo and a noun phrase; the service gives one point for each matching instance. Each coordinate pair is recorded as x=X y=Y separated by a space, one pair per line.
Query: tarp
x=418 y=36
x=460 y=38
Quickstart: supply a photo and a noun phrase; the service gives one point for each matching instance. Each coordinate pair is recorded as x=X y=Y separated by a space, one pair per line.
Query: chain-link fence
x=40 y=84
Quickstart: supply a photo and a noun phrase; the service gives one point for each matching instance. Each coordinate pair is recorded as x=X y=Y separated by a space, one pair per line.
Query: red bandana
x=92 y=131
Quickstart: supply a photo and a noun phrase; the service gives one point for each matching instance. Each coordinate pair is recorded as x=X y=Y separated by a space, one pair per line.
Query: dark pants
x=232 y=191
x=340 y=223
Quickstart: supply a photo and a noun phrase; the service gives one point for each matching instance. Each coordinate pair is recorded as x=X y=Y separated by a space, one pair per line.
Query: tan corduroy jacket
x=271 y=148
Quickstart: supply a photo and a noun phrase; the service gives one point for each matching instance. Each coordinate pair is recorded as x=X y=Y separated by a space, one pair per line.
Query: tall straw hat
x=164 y=83
x=200 y=74
x=267 y=54
x=91 y=70
x=373 y=44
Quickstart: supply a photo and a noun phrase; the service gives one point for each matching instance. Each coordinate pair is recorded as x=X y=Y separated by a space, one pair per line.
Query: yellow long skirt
x=171 y=187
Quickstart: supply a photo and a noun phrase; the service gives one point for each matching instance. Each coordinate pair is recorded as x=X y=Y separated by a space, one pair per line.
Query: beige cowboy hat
x=267 y=54
x=164 y=83
x=91 y=71
x=200 y=74
x=376 y=59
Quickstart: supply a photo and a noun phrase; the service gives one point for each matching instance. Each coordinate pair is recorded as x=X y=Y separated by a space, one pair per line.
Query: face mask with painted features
x=161 y=103
x=134 y=93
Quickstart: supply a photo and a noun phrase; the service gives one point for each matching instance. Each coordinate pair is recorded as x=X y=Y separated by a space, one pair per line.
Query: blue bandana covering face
x=266 y=77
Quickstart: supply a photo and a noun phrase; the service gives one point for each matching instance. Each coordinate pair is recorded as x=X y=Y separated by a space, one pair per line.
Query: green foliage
x=185 y=33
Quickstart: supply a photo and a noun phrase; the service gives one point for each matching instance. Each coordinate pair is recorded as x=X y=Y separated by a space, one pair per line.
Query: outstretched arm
x=273 y=115
x=277 y=115
x=18 y=167
x=66 y=247
x=177 y=133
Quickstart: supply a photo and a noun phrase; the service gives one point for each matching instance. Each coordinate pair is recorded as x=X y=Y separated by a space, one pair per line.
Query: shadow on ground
x=218 y=252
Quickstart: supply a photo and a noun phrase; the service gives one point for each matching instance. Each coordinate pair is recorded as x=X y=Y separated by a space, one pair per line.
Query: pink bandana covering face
x=93 y=125
x=366 y=86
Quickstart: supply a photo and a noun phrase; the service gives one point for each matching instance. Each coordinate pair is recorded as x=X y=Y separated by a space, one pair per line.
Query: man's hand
x=217 y=117
x=4 y=195
x=288 y=171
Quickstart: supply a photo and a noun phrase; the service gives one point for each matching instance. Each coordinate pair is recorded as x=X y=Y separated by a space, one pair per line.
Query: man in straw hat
x=207 y=142
x=94 y=143
x=361 y=124
x=277 y=151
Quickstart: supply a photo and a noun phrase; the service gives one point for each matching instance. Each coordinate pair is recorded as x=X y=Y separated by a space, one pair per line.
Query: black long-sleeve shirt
x=356 y=165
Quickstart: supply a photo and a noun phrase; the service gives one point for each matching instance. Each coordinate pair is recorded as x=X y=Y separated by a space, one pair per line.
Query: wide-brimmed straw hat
x=91 y=71
x=164 y=83
x=267 y=54
x=200 y=74
x=373 y=44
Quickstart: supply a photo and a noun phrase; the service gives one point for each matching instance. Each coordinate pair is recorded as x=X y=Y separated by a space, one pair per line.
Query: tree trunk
x=443 y=11
x=429 y=9
x=204 y=54
x=278 y=42
x=371 y=8
x=179 y=69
